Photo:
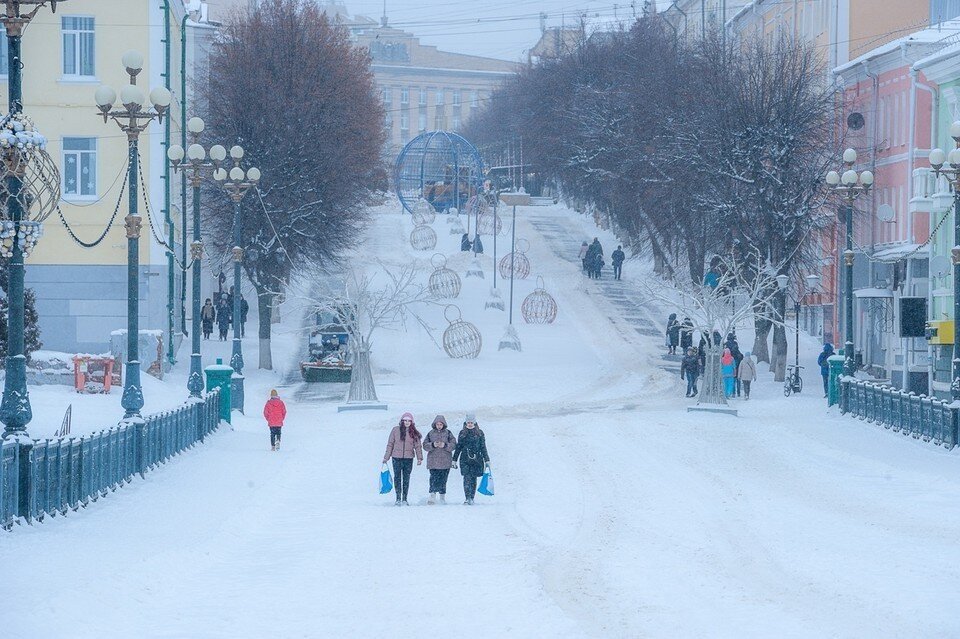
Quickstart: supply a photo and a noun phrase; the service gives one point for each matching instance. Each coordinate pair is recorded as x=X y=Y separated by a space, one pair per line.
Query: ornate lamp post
x=196 y=167
x=236 y=182
x=133 y=117
x=510 y=339
x=812 y=281
x=851 y=185
x=949 y=167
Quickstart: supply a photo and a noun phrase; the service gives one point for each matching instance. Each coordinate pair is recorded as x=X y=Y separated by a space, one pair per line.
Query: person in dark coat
x=702 y=352
x=824 y=364
x=673 y=334
x=477 y=245
x=598 y=265
x=617 y=259
x=208 y=315
x=465 y=244
x=471 y=454
x=223 y=317
x=244 y=309
x=737 y=358
x=690 y=370
x=686 y=334
x=440 y=444
x=595 y=259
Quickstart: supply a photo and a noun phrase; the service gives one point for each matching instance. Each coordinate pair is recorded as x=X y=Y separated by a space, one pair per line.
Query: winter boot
x=443 y=498
x=433 y=499
x=278 y=445
x=399 y=503
x=405 y=502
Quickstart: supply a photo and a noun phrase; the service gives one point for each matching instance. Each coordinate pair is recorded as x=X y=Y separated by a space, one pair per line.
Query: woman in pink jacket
x=403 y=444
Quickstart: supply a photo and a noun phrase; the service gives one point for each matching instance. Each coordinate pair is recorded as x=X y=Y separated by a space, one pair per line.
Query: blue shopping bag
x=486 y=483
x=386 y=481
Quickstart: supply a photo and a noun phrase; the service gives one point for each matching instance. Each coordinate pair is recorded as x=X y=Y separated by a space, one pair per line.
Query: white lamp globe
x=196 y=153
x=937 y=157
x=131 y=96
x=866 y=178
x=218 y=153
x=195 y=125
x=105 y=96
x=812 y=282
x=955 y=130
x=253 y=174
x=833 y=178
x=953 y=157
x=782 y=281
x=175 y=153
x=236 y=152
x=849 y=156
x=236 y=174
x=849 y=177
x=132 y=60
x=160 y=98
x=219 y=175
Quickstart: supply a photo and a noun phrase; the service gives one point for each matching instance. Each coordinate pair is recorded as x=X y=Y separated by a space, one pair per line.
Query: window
x=80 y=167
x=422 y=122
x=456 y=122
x=438 y=120
x=77 y=47
x=404 y=96
x=456 y=97
x=423 y=96
x=4 y=58
x=404 y=121
x=439 y=97
x=474 y=99
x=387 y=96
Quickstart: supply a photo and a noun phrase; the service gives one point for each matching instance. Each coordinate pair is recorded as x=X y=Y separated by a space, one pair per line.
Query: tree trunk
x=712 y=390
x=362 y=388
x=779 y=353
x=760 y=349
x=264 y=311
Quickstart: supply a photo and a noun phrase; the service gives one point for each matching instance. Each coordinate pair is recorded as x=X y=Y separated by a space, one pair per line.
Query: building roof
x=943 y=35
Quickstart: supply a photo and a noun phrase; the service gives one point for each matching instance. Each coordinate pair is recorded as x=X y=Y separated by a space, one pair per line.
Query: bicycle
x=793 y=383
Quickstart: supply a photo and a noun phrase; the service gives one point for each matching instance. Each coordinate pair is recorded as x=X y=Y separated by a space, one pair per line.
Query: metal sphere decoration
x=489 y=223
x=443 y=283
x=440 y=167
x=423 y=213
x=516 y=261
x=539 y=307
x=461 y=340
x=476 y=205
x=423 y=238
x=24 y=156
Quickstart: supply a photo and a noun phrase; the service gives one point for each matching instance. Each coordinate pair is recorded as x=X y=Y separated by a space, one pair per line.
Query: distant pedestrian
x=686 y=334
x=471 y=452
x=737 y=359
x=244 y=309
x=747 y=373
x=690 y=370
x=223 y=317
x=440 y=445
x=594 y=259
x=275 y=411
x=824 y=364
x=617 y=259
x=582 y=256
x=477 y=245
x=673 y=334
x=728 y=371
x=402 y=446
x=465 y=244
x=208 y=315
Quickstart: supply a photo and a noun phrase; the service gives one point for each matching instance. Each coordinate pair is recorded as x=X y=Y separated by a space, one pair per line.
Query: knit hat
x=274 y=393
x=441 y=419
x=406 y=416
x=470 y=417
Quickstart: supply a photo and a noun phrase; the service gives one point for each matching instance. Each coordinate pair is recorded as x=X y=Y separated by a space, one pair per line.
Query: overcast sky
x=496 y=28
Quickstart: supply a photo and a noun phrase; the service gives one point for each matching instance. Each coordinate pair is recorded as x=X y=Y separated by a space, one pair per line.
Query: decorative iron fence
x=68 y=473
x=923 y=417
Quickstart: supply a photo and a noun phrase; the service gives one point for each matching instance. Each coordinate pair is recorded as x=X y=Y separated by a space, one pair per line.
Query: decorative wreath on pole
x=539 y=307
x=516 y=261
x=443 y=283
x=423 y=213
x=423 y=238
x=461 y=340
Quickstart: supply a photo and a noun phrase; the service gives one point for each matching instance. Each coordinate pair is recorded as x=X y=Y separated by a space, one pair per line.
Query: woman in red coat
x=274 y=412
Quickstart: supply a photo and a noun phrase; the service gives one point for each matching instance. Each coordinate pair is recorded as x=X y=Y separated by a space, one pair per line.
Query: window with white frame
x=456 y=122
x=439 y=95
x=4 y=57
x=78 y=46
x=474 y=99
x=422 y=122
x=456 y=97
x=404 y=121
x=423 y=96
x=387 y=96
x=404 y=96
x=80 y=167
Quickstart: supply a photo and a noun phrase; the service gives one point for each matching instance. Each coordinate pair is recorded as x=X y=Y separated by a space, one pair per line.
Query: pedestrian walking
x=465 y=244
x=244 y=309
x=673 y=334
x=402 y=446
x=824 y=364
x=737 y=359
x=477 y=245
x=690 y=370
x=746 y=373
x=208 y=315
x=582 y=256
x=440 y=445
x=686 y=334
x=471 y=453
x=728 y=371
x=617 y=260
x=275 y=411
x=223 y=317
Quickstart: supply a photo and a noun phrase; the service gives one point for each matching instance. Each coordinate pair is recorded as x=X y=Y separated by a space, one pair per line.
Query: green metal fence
x=69 y=473
x=922 y=417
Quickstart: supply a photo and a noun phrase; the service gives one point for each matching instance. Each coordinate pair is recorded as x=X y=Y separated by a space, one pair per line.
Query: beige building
x=690 y=18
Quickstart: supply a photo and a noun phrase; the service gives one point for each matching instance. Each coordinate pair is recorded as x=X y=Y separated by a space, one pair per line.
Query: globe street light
x=133 y=116
x=851 y=185
x=236 y=182
x=948 y=166
x=196 y=167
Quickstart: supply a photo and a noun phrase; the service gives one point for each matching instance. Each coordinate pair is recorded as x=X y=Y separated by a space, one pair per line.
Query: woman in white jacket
x=746 y=373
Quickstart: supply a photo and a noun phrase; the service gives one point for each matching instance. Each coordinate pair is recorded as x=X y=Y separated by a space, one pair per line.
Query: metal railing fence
x=926 y=418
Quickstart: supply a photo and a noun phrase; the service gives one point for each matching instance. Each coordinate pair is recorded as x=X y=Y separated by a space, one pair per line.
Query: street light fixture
x=510 y=339
x=196 y=167
x=783 y=281
x=948 y=166
x=133 y=116
x=236 y=182
x=851 y=185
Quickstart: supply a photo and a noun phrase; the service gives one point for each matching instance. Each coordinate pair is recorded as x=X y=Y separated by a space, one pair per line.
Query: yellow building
x=81 y=293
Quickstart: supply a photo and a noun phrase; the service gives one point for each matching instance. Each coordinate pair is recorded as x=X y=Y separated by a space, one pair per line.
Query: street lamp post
x=236 y=182
x=196 y=167
x=133 y=118
x=851 y=185
x=948 y=165
x=812 y=281
x=517 y=198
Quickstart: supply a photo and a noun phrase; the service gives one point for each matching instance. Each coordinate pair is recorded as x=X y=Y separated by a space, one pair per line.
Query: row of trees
x=691 y=149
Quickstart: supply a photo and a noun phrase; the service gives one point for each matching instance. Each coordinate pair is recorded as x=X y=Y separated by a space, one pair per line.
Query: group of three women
x=444 y=451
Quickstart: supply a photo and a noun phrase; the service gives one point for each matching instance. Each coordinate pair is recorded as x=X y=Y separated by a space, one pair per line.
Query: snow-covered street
x=617 y=513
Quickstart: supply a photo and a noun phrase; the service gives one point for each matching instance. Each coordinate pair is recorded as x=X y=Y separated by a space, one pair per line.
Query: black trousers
x=275 y=435
x=746 y=388
x=438 y=480
x=469 y=486
x=616 y=271
x=401 y=476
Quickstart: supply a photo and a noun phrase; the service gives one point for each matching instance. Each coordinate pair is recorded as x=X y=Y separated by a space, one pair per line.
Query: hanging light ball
x=443 y=283
x=518 y=263
x=423 y=213
x=539 y=307
x=489 y=223
x=423 y=238
x=461 y=340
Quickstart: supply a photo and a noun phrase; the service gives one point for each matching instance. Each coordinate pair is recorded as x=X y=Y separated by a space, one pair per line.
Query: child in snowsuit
x=275 y=411
x=471 y=452
x=727 y=367
x=439 y=444
x=402 y=445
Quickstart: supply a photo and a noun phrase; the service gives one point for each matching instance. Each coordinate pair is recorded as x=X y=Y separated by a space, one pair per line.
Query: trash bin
x=836 y=370
x=218 y=376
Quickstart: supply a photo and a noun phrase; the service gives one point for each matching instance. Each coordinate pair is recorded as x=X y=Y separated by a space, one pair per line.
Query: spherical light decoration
x=850 y=156
x=105 y=96
x=476 y=205
x=131 y=97
x=195 y=125
x=461 y=340
x=440 y=167
x=443 y=283
x=539 y=307
x=518 y=263
x=218 y=153
x=132 y=60
x=937 y=157
x=489 y=223
x=237 y=174
x=23 y=155
x=423 y=238
x=423 y=213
